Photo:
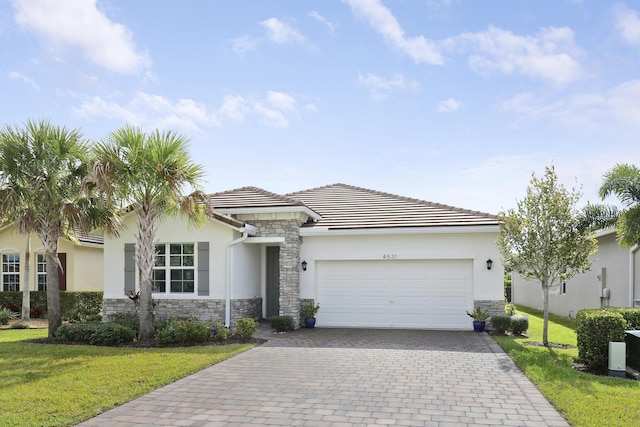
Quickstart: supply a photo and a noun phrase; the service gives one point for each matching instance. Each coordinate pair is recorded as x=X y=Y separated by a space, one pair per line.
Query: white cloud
x=81 y=25
x=281 y=33
x=151 y=111
x=584 y=112
x=379 y=87
x=273 y=109
x=14 y=75
x=244 y=44
x=449 y=106
x=420 y=49
x=549 y=55
x=627 y=24
x=330 y=25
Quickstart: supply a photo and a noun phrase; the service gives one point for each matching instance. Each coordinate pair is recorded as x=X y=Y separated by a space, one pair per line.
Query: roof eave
x=460 y=229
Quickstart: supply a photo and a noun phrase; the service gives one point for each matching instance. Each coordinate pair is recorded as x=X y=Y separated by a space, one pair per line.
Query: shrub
x=182 y=331
x=20 y=325
x=7 y=314
x=112 y=333
x=282 y=323
x=36 y=312
x=246 y=327
x=81 y=306
x=109 y=333
x=219 y=331
x=76 y=332
x=632 y=316
x=509 y=309
x=500 y=324
x=519 y=323
x=595 y=329
x=127 y=319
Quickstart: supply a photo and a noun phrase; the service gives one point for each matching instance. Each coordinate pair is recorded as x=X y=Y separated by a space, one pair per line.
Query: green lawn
x=583 y=399
x=62 y=385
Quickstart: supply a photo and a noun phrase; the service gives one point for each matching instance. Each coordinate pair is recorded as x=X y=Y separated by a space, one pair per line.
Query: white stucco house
x=370 y=259
x=613 y=281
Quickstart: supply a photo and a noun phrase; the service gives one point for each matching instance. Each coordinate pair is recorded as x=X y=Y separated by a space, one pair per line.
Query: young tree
x=42 y=168
x=624 y=181
x=542 y=238
x=146 y=174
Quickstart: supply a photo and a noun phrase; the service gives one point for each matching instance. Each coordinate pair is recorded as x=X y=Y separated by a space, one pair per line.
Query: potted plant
x=309 y=311
x=479 y=317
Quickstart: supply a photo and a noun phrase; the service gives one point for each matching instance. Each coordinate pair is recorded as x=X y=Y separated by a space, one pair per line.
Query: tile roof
x=251 y=197
x=347 y=207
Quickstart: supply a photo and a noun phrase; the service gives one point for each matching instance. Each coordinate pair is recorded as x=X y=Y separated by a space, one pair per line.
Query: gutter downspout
x=229 y=276
x=632 y=268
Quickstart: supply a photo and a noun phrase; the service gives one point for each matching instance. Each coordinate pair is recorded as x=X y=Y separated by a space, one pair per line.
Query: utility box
x=632 y=339
x=617 y=359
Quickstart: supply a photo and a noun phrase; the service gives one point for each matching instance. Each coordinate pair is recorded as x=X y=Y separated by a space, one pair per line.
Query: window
x=10 y=272
x=564 y=288
x=174 y=270
x=41 y=272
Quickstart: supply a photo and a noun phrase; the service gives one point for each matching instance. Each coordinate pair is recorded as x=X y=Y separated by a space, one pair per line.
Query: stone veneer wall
x=495 y=307
x=202 y=309
x=289 y=262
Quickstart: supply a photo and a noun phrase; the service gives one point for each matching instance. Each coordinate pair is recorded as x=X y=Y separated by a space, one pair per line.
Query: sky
x=454 y=102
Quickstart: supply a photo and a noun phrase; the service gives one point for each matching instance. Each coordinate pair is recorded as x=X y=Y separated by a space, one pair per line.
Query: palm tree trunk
x=53 y=284
x=146 y=252
x=26 y=301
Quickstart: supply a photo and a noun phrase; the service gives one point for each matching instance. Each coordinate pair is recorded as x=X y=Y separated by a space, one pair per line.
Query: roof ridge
x=261 y=191
x=403 y=198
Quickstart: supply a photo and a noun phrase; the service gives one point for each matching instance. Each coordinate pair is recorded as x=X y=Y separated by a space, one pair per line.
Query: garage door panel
x=403 y=293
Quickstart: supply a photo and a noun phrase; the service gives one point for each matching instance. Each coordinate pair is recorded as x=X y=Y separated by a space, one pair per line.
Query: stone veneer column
x=289 y=262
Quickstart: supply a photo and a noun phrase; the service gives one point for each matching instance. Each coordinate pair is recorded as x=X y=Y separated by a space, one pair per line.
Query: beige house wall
x=85 y=264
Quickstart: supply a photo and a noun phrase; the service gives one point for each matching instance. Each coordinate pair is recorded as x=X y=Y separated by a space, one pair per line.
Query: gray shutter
x=129 y=268
x=203 y=268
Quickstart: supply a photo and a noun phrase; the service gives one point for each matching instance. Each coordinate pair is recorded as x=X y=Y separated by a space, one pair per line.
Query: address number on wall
x=390 y=256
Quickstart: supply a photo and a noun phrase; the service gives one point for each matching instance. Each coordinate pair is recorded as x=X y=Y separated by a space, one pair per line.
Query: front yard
x=583 y=399
x=62 y=385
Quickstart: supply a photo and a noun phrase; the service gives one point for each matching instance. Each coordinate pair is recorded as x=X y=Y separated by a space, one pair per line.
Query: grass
x=583 y=399
x=62 y=385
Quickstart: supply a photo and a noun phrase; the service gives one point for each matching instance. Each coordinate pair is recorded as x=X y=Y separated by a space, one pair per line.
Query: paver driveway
x=347 y=377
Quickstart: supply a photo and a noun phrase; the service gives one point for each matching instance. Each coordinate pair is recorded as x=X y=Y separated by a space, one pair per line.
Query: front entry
x=273 y=281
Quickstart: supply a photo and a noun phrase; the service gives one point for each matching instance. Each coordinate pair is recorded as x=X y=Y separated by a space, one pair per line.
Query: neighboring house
x=612 y=281
x=82 y=262
x=370 y=259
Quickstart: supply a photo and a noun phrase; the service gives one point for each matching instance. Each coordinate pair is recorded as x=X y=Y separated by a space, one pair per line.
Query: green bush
x=246 y=327
x=500 y=324
x=112 y=334
x=76 y=332
x=20 y=325
x=182 y=331
x=127 y=319
x=519 y=324
x=7 y=314
x=632 y=316
x=282 y=323
x=109 y=333
x=76 y=306
x=595 y=329
x=509 y=309
x=219 y=331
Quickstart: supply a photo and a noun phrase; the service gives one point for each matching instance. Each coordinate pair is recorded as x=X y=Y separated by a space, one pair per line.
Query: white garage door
x=428 y=294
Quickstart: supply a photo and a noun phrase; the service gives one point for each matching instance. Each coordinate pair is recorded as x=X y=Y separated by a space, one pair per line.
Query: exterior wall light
x=304 y=265
x=489 y=264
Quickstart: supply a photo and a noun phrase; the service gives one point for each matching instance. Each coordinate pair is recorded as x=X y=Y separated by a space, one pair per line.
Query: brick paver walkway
x=350 y=377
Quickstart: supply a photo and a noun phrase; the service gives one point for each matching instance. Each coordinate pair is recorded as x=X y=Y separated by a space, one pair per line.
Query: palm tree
x=623 y=180
x=146 y=174
x=42 y=168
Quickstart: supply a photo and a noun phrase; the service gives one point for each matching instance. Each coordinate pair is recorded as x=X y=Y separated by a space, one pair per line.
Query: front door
x=273 y=281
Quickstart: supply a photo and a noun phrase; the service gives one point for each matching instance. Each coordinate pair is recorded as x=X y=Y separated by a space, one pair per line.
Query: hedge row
x=79 y=306
x=595 y=328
